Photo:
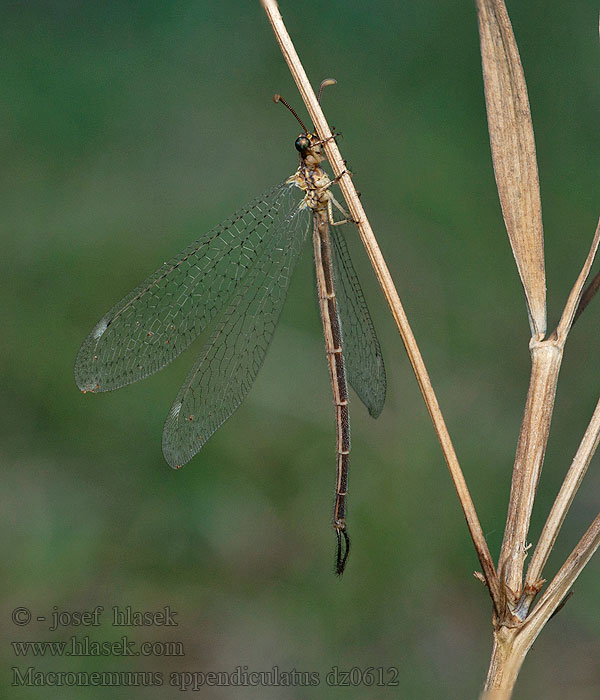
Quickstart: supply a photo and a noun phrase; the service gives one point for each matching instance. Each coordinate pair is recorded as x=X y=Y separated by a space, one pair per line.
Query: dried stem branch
x=588 y=295
x=578 y=299
x=389 y=290
x=546 y=360
x=559 y=510
x=586 y=450
x=564 y=579
x=575 y=297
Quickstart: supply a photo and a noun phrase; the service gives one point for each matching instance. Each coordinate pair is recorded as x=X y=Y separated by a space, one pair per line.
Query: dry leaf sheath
x=513 y=154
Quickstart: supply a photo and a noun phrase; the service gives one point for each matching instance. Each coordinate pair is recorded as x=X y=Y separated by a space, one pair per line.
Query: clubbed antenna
x=279 y=98
x=324 y=84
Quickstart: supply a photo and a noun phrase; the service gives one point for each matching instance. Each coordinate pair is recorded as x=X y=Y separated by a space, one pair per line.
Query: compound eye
x=302 y=143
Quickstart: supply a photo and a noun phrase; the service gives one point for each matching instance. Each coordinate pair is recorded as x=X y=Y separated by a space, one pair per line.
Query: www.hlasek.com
x=85 y=646
x=194 y=681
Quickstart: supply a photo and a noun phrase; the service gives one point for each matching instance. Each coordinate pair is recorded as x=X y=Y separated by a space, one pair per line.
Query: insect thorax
x=315 y=182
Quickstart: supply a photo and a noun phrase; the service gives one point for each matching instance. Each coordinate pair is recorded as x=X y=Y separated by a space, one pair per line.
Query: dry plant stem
x=389 y=290
x=563 y=501
x=516 y=632
x=573 y=306
x=507 y=659
x=515 y=167
x=546 y=360
x=512 y=644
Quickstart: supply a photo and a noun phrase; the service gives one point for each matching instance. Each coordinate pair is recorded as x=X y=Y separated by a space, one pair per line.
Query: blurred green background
x=126 y=130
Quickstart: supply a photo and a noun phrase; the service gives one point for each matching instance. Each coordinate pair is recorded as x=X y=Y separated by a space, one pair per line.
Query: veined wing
x=229 y=362
x=362 y=352
x=157 y=321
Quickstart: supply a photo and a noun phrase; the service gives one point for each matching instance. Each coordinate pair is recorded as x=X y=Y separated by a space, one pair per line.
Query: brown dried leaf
x=513 y=153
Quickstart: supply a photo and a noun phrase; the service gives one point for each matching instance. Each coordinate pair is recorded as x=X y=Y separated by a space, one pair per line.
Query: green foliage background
x=127 y=129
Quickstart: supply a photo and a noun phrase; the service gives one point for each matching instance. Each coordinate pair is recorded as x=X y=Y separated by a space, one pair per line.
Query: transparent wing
x=157 y=321
x=362 y=352
x=229 y=362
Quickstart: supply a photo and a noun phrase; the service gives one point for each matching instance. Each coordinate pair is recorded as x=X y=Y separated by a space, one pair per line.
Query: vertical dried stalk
x=515 y=631
x=513 y=153
x=389 y=290
x=515 y=166
x=546 y=360
x=507 y=659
